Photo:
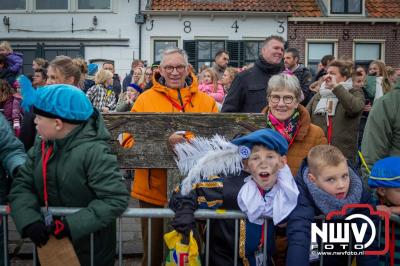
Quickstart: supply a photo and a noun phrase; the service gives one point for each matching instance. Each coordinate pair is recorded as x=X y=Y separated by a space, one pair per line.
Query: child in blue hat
x=326 y=184
x=265 y=188
x=70 y=165
x=385 y=179
x=128 y=98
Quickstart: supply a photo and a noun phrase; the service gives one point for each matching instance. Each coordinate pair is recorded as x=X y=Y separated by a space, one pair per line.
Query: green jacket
x=81 y=172
x=345 y=122
x=382 y=131
x=12 y=155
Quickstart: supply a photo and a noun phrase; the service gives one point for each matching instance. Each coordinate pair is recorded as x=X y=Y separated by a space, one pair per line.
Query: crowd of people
x=330 y=139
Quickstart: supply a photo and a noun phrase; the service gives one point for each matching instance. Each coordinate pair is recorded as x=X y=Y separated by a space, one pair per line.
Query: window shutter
x=190 y=48
x=236 y=53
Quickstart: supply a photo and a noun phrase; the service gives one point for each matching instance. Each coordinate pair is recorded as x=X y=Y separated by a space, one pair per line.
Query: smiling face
x=373 y=70
x=272 y=52
x=263 y=165
x=334 y=180
x=174 y=70
x=282 y=109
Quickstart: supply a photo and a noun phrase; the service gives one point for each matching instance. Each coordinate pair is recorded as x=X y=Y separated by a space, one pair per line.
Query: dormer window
x=346 y=6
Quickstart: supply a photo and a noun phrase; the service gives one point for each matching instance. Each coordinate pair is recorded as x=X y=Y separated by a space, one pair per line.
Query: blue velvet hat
x=385 y=173
x=62 y=101
x=269 y=138
x=135 y=87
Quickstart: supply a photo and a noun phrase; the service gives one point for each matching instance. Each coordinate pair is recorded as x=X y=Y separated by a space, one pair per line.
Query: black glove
x=37 y=232
x=60 y=228
x=184 y=207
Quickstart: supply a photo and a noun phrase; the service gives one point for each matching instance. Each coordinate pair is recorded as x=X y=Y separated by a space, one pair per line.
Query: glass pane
x=12 y=5
x=200 y=64
x=318 y=50
x=216 y=47
x=94 y=4
x=160 y=46
x=354 y=6
x=204 y=50
x=337 y=6
x=368 y=51
x=251 y=50
x=51 y=4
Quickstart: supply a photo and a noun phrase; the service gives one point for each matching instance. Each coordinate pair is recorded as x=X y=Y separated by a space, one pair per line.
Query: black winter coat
x=248 y=92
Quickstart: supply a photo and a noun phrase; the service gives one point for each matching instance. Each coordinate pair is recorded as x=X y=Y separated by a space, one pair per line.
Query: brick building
x=360 y=30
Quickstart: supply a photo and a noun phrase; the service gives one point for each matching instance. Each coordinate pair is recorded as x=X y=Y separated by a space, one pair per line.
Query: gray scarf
x=326 y=202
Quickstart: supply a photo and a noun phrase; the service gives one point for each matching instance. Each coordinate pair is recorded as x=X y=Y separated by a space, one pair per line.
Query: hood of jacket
x=266 y=67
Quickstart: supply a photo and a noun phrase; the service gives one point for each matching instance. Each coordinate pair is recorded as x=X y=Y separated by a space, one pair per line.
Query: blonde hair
x=214 y=77
x=232 y=72
x=6 y=46
x=324 y=155
x=141 y=79
x=102 y=76
x=386 y=86
x=285 y=81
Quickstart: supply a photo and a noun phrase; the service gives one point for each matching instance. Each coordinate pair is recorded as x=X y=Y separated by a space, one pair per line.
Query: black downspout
x=140 y=31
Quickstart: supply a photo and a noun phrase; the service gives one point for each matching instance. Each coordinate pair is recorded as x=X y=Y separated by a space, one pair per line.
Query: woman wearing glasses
x=285 y=114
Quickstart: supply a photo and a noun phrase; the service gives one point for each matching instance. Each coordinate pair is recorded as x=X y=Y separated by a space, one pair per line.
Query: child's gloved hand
x=60 y=228
x=37 y=232
x=184 y=207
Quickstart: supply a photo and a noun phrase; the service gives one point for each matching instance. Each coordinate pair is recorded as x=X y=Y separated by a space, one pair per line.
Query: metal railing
x=151 y=213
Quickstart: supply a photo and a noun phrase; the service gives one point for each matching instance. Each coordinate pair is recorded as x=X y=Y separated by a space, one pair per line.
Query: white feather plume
x=204 y=157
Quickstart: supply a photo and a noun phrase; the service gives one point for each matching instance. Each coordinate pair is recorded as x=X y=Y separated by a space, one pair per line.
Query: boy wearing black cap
x=70 y=165
x=326 y=184
x=269 y=191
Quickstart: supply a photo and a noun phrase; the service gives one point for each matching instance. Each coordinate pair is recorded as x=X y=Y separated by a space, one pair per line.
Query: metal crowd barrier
x=158 y=213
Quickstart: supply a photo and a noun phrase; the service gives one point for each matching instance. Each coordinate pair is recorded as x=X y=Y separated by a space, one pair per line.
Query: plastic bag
x=181 y=254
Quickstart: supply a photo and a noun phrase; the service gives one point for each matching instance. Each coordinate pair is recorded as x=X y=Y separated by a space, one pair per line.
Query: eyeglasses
x=287 y=99
x=170 y=69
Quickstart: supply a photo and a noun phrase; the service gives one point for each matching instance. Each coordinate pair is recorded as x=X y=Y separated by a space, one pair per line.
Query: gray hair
x=285 y=81
x=174 y=51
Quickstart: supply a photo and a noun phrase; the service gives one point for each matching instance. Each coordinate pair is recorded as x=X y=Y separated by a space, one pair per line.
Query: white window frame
x=322 y=41
x=153 y=39
x=366 y=41
x=329 y=4
x=8 y=11
x=72 y=8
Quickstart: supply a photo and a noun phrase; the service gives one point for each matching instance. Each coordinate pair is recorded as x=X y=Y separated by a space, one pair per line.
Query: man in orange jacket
x=175 y=89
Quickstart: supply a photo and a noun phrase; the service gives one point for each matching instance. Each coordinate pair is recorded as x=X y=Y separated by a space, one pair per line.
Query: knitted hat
x=136 y=87
x=266 y=137
x=92 y=69
x=62 y=101
x=385 y=173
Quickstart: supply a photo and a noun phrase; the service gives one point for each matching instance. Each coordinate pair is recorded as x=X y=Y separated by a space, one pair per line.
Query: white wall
x=118 y=23
x=205 y=27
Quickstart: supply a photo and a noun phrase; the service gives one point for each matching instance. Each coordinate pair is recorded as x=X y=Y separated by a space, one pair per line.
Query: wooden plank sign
x=150 y=132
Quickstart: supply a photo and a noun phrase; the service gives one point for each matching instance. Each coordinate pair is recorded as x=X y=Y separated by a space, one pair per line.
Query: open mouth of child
x=264 y=175
x=341 y=195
